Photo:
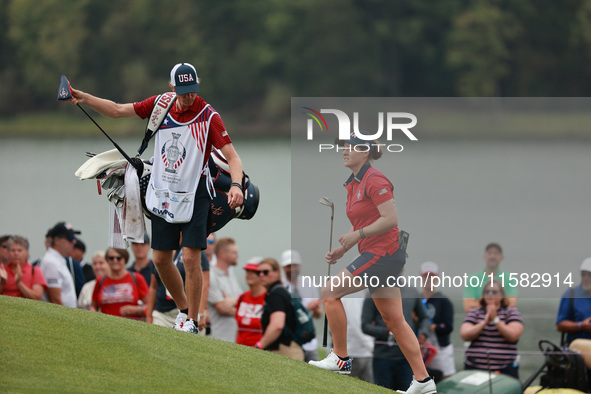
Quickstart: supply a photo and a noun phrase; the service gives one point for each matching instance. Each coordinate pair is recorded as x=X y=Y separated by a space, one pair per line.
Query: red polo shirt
x=29 y=278
x=365 y=192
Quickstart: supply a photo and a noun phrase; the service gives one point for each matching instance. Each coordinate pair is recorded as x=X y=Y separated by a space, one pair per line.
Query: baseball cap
x=586 y=265
x=289 y=257
x=63 y=229
x=429 y=267
x=80 y=245
x=184 y=79
x=251 y=267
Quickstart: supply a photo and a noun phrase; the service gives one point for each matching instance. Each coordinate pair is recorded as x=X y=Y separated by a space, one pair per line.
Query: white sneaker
x=190 y=326
x=179 y=321
x=332 y=362
x=421 y=388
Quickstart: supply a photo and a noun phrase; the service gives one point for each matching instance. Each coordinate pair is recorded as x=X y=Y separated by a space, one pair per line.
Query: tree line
x=252 y=56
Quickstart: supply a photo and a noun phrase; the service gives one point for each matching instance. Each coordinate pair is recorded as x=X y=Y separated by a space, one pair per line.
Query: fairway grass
x=51 y=348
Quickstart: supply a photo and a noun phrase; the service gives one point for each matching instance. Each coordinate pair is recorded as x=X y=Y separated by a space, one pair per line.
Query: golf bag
x=564 y=369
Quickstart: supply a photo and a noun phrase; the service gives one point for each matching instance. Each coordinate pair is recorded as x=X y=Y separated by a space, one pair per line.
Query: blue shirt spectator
x=574 y=312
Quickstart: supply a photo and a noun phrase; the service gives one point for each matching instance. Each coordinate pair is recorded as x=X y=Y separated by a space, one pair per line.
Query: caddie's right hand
x=335 y=254
x=77 y=96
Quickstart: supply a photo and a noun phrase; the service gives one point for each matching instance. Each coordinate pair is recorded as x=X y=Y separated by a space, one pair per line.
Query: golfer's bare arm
x=104 y=107
x=388 y=219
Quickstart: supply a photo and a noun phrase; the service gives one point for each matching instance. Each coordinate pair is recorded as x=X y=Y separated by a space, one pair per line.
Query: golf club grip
x=324 y=338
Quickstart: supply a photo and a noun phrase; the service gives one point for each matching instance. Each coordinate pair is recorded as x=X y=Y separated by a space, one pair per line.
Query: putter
x=326 y=201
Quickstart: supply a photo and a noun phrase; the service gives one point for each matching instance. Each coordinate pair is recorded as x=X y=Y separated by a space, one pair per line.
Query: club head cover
x=64 y=92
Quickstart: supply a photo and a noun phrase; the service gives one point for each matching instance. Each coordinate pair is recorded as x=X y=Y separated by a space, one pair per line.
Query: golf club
x=64 y=93
x=326 y=201
x=125 y=155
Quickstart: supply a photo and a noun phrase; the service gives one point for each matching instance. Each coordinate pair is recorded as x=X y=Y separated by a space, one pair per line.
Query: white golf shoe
x=332 y=362
x=190 y=326
x=180 y=321
x=421 y=388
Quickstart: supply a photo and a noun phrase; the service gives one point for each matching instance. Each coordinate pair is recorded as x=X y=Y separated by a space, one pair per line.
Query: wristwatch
x=496 y=320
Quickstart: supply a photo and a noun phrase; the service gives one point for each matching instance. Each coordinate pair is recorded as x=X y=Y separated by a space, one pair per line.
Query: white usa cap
x=184 y=78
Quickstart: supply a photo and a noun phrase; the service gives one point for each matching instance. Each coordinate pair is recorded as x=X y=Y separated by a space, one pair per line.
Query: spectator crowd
x=265 y=316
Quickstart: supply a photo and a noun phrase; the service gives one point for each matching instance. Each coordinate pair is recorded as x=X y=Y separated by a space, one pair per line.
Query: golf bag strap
x=162 y=107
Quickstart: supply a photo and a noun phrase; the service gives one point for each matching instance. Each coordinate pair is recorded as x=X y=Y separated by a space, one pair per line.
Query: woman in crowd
x=119 y=292
x=493 y=329
x=249 y=308
x=374 y=230
x=18 y=278
x=100 y=268
x=278 y=319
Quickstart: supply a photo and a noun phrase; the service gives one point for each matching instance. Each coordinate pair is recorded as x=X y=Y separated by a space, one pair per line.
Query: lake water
x=534 y=198
x=39 y=189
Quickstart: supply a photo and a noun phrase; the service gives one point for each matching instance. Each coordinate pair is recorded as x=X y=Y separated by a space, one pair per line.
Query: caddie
x=180 y=188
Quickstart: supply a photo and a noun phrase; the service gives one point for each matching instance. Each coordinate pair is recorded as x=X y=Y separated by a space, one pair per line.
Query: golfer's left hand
x=335 y=254
x=235 y=197
x=350 y=239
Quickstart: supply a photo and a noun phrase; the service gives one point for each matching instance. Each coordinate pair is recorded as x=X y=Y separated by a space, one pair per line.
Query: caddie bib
x=179 y=152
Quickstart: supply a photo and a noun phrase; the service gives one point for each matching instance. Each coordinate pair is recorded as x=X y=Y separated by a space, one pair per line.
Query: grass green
x=51 y=348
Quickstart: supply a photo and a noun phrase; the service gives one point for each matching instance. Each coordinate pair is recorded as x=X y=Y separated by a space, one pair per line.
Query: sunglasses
x=493 y=292
x=263 y=272
x=111 y=258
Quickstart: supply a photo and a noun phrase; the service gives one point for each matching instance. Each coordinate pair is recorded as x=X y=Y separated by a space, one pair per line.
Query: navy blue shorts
x=166 y=236
x=380 y=267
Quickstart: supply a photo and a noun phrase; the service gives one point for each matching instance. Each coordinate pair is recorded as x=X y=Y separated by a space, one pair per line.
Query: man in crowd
x=143 y=265
x=493 y=255
x=291 y=262
x=574 y=312
x=441 y=312
x=60 y=283
x=78 y=254
x=224 y=291
x=4 y=249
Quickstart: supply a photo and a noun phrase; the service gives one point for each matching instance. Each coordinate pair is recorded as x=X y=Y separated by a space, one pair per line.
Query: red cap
x=251 y=267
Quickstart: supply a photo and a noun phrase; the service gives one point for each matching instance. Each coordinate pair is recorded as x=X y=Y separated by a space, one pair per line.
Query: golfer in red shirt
x=374 y=229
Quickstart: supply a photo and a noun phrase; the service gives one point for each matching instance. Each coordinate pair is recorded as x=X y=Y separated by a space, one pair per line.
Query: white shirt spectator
x=57 y=275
